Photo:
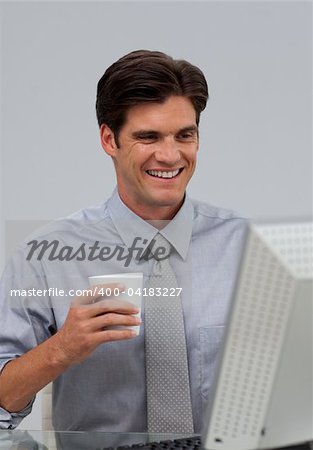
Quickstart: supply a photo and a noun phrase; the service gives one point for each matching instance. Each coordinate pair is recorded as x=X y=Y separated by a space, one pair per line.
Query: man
x=148 y=109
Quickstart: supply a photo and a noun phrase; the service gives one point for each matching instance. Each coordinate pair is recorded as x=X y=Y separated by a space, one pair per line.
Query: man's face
x=156 y=156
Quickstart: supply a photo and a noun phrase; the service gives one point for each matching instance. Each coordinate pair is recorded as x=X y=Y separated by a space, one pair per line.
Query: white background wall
x=256 y=133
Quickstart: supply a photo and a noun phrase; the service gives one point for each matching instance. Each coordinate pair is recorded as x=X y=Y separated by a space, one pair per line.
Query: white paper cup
x=132 y=291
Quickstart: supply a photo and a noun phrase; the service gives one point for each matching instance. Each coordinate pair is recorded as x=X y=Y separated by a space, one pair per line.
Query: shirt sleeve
x=9 y=421
x=25 y=321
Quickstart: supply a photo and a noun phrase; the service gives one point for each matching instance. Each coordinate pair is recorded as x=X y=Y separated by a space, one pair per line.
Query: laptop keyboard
x=192 y=443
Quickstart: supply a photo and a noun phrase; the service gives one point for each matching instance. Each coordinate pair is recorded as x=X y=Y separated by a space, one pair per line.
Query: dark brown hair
x=146 y=76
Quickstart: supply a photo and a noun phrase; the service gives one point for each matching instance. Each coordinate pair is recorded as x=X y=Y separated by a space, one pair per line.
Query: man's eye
x=147 y=137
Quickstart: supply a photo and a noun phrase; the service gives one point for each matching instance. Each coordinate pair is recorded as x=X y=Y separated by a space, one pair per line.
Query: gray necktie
x=168 y=390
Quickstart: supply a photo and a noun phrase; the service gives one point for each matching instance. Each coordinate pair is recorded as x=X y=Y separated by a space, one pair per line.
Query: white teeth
x=158 y=173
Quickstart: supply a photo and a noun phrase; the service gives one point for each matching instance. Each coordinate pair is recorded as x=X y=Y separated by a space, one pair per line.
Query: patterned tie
x=168 y=392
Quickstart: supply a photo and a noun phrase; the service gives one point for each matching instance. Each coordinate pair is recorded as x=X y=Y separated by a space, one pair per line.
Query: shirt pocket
x=210 y=346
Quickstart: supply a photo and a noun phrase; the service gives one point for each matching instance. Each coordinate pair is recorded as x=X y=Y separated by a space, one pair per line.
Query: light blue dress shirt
x=107 y=391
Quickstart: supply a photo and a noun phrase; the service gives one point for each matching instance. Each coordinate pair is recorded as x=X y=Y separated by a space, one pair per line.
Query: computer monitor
x=263 y=396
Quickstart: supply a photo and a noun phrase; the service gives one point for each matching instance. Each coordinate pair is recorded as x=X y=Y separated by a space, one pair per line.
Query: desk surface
x=75 y=440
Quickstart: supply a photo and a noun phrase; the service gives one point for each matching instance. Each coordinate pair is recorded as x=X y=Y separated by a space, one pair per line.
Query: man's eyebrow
x=189 y=128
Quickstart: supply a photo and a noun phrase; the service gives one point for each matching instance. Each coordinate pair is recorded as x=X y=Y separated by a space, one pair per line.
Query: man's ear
x=107 y=140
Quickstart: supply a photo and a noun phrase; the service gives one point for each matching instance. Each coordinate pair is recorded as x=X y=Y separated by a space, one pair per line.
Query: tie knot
x=162 y=248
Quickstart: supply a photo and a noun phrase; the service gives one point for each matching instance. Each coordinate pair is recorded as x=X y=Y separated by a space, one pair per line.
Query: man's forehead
x=178 y=112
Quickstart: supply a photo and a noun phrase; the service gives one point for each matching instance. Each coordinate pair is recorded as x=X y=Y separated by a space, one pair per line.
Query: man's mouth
x=164 y=173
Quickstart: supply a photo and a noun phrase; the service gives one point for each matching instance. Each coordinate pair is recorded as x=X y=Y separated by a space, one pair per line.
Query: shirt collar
x=178 y=231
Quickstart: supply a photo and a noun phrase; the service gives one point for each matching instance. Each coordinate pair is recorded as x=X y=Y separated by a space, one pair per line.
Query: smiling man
x=156 y=156
x=108 y=378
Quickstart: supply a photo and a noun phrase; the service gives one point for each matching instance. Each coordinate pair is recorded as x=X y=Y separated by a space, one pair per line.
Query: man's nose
x=168 y=151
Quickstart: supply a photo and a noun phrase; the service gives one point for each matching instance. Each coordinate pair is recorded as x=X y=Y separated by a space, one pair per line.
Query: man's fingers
x=104 y=307
x=113 y=319
x=114 y=305
x=114 y=335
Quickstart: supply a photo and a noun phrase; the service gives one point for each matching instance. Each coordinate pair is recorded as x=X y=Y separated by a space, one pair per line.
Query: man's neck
x=159 y=217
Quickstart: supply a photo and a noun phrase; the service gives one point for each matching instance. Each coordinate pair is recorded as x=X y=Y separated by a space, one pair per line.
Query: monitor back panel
x=259 y=321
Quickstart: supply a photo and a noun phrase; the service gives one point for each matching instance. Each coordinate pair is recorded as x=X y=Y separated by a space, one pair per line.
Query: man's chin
x=168 y=201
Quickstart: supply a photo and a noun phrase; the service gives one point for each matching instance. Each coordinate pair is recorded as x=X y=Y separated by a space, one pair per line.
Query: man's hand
x=88 y=324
